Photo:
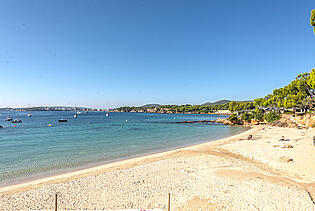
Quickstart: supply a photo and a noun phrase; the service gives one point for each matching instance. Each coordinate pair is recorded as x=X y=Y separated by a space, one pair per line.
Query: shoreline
x=66 y=175
x=216 y=175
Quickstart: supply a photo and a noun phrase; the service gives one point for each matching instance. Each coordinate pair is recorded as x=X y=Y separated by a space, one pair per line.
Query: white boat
x=29 y=114
x=79 y=112
x=107 y=114
x=9 y=118
x=75 y=116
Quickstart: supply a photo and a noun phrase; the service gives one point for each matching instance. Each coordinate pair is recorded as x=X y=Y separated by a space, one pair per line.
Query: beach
x=228 y=174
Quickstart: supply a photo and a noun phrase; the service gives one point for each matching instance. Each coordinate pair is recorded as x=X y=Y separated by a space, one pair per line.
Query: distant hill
x=219 y=102
x=151 y=105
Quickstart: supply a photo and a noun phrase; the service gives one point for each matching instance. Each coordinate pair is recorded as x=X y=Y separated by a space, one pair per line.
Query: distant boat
x=29 y=114
x=62 y=120
x=1 y=126
x=16 y=121
x=75 y=109
x=9 y=118
x=75 y=116
x=107 y=114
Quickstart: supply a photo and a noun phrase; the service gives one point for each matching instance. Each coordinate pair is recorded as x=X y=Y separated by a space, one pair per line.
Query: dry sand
x=228 y=174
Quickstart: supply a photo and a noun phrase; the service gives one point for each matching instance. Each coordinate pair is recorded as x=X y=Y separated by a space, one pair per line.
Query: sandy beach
x=228 y=174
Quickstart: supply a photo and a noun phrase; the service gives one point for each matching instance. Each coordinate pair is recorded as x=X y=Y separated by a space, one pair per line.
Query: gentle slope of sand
x=228 y=174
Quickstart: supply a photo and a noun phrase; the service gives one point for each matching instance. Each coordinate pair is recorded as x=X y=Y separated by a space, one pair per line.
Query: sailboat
x=29 y=114
x=76 y=114
x=9 y=118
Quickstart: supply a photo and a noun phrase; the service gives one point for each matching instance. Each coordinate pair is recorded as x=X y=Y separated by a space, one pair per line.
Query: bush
x=258 y=115
x=271 y=116
x=233 y=117
x=247 y=117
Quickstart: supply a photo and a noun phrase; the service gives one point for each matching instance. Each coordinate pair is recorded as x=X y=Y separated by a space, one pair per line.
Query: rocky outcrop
x=306 y=119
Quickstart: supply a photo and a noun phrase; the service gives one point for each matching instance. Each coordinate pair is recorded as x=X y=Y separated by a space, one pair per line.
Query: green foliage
x=233 y=117
x=258 y=115
x=247 y=117
x=291 y=95
x=311 y=80
x=271 y=116
x=313 y=20
x=178 y=108
x=239 y=106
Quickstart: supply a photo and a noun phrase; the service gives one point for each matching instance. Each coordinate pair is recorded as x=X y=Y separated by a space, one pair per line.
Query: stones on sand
x=285 y=159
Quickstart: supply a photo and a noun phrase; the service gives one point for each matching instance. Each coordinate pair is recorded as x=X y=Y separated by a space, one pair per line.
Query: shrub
x=233 y=117
x=247 y=117
x=258 y=115
x=271 y=116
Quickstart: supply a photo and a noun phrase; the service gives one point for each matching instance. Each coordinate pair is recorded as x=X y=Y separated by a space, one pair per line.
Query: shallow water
x=32 y=148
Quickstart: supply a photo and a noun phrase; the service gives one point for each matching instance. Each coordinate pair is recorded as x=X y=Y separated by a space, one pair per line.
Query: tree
x=271 y=116
x=247 y=117
x=313 y=20
x=311 y=81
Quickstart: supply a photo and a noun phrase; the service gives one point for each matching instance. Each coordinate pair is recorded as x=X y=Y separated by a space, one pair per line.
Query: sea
x=41 y=146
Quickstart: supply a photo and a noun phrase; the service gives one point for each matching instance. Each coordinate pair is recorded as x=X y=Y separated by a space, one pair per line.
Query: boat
x=62 y=120
x=16 y=121
x=29 y=114
x=9 y=118
x=77 y=112
x=75 y=116
x=107 y=114
x=1 y=126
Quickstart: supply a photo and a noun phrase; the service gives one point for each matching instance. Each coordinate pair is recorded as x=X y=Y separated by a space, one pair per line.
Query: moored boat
x=8 y=119
x=62 y=120
x=16 y=121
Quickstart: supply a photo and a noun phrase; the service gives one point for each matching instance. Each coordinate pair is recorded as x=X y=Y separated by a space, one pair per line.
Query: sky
x=112 y=53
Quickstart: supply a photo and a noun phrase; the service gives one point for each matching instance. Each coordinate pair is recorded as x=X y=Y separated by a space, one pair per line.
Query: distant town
x=52 y=108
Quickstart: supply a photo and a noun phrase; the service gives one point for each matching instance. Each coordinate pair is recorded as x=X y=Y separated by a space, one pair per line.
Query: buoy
x=126 y=120
x=14 y=125
x=49 y=125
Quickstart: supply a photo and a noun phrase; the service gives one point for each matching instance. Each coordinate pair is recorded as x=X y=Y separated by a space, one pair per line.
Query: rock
x=285 y=159
x=254 y=122
x=287 y=146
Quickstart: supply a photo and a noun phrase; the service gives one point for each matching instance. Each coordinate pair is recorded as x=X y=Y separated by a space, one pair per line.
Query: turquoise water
x=33 y=149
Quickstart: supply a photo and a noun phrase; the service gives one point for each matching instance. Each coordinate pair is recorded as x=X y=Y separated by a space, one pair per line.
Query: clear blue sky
x=113 y=53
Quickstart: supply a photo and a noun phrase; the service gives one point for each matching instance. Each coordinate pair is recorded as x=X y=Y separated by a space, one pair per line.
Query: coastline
x=66 y=175
x=66 y=171
x=219 y=174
